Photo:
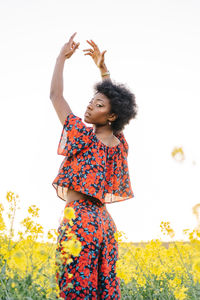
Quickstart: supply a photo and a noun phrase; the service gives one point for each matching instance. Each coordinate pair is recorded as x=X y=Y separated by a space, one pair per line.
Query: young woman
x=93 y=173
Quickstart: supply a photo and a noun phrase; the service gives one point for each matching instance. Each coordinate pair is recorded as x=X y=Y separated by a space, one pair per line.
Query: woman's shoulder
x=75 y=136
x=121 y=137
x=76 y=130
x=74 y=122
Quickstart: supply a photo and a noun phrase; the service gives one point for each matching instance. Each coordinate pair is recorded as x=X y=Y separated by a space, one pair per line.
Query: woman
x=93 y=173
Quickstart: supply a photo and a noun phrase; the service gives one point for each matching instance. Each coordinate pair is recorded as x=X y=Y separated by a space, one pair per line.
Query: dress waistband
x=85 y=201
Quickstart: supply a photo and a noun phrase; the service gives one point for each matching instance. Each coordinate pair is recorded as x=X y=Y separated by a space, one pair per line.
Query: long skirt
x=93 y=271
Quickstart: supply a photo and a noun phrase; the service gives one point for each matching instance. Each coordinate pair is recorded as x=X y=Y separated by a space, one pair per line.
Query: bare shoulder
x=116 y=141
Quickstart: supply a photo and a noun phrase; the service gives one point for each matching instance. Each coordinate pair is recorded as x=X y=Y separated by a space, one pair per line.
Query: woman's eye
x=99 y=105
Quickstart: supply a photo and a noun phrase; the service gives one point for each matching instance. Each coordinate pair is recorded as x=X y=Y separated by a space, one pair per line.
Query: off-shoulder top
x=91 y=167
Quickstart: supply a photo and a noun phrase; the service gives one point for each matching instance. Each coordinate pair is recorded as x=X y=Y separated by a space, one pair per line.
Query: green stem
x=5 y=290
x=188 y=273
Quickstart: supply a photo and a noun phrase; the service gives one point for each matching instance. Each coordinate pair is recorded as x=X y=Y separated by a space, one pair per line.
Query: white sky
x=153 y=47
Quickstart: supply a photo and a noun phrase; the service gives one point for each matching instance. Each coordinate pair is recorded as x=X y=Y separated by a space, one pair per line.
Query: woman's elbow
x=53 y=95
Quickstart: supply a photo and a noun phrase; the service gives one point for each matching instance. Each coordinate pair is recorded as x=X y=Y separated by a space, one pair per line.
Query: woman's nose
x=89 y=106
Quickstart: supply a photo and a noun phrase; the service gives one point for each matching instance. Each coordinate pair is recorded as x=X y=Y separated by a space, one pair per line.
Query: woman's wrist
x=105 y=74
x=103 y=69
x=61 y=58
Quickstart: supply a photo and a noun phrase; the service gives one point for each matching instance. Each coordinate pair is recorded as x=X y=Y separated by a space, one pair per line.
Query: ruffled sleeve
x=74 y=136
x=122 y=139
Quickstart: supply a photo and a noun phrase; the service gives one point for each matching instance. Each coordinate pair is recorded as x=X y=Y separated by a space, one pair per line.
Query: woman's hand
x=69 y=48
x=97 y=56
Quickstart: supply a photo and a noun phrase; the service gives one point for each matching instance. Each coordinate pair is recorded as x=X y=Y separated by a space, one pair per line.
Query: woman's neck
x=103 y=131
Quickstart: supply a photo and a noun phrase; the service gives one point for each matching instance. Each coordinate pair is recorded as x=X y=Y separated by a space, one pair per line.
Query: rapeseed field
x=152 y=271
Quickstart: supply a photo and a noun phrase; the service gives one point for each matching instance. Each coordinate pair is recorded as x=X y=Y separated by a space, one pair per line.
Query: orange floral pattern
x=94 y=270
x=91 y=167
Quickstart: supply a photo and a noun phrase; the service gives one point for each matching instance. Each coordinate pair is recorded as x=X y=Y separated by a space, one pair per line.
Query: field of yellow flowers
x=152 y=271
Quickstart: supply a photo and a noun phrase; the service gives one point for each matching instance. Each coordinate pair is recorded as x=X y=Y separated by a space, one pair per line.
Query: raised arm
x=98 y=58
x=61 y=106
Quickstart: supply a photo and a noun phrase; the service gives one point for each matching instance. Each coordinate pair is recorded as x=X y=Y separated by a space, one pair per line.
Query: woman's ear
x=112 y=117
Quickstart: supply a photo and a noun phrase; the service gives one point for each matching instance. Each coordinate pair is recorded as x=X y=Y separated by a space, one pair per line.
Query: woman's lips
x=87 y=114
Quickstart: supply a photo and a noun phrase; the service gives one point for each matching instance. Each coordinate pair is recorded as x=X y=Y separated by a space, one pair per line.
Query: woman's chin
x=86 y=119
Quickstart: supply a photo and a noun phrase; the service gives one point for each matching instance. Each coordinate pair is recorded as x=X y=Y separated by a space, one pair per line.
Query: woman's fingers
x=76 y=46
x=94 y=45
x=89 y=43
x=72 y=37
x=71 y=42
x=90 y=50
x=95 y=53
x=103 y=53
x=88 y=54
x=73 y=48
x=69 y=47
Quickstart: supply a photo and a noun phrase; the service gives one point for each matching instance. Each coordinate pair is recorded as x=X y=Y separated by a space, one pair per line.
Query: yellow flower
x=166 y=229
x=10 y=196
x=174 y=283
x=179 y=293
x=13 y=285
x=1 y=207
x=2 y=223
x=72 y=246
x=141 y=281
x=178 y=154
x=49 y=235
x=119 y=235
x=33 y=210
x=196 y=265
x=69 y=260
x=69 y=234
x=76 y=248
x=69 y=213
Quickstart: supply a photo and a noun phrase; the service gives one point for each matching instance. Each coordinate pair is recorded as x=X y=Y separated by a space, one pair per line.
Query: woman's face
x=98 y=110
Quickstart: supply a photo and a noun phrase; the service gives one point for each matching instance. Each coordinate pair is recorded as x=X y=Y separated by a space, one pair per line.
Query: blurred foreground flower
x=178 y=154
x=166 y=229
x=71 y=246
x=196 y=212
x=28 y=268
x=69 y=213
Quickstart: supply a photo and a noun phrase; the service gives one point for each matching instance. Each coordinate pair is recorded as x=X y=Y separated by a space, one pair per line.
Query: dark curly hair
x=122 y=102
